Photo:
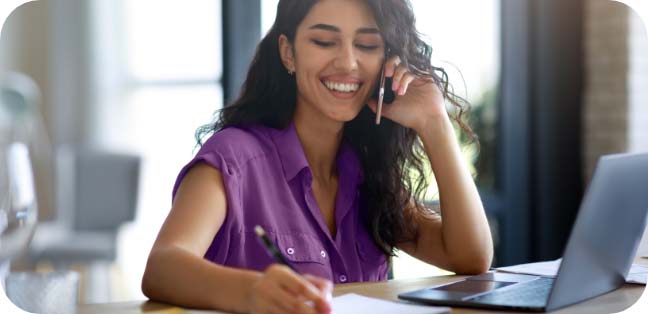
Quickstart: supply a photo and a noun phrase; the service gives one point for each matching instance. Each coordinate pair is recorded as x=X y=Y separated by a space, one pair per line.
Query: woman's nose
x=346 y=59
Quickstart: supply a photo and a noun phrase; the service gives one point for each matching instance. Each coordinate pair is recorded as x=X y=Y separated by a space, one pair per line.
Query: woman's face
x=338 y=55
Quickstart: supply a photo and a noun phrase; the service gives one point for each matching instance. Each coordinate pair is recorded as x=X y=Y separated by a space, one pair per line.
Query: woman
x=299 y=154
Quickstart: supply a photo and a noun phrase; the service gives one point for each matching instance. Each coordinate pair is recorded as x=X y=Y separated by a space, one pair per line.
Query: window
x=464 y=35
x=268 y=13
x=170 y=84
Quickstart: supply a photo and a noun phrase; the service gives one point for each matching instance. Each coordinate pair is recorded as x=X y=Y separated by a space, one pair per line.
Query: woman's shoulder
x=239 y=143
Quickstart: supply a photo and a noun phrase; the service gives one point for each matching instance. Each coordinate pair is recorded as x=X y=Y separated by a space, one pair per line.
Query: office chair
x=97 y=193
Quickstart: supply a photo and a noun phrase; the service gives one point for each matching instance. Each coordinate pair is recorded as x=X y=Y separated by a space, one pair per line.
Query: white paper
x=352 y=303
x=637 y=274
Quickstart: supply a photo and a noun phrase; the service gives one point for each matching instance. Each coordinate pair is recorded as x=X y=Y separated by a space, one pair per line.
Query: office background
x=555 y=84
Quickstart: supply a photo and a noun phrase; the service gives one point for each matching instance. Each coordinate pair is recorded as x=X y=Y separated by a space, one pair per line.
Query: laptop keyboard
x=527 y=294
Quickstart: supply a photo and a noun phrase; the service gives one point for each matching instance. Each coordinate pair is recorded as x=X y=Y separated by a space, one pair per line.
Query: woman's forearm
x=174 y=275
x=465 y=231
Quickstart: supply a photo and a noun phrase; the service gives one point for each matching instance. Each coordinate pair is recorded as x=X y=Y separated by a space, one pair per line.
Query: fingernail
x=395 y=86
x=401 y=91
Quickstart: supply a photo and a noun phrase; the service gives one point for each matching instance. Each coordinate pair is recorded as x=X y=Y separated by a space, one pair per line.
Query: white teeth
x=342 y=87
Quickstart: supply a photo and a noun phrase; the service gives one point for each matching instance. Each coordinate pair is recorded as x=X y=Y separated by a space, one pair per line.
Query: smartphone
x=383 y=93
x=389 y=95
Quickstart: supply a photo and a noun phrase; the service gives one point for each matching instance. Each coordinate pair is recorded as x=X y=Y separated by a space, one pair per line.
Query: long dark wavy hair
x=392 y=156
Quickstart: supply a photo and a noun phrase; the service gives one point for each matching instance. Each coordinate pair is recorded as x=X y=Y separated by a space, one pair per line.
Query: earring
x=290 y=72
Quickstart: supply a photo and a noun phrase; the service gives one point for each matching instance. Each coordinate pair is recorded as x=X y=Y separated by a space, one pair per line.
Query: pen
x=271 y=248
x=381 y=95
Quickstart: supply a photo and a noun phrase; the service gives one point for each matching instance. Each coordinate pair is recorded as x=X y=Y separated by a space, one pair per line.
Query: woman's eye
x=367 y=47
x=323 y=43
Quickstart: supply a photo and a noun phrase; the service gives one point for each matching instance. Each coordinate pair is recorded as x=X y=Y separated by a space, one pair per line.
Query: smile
x=342 y=87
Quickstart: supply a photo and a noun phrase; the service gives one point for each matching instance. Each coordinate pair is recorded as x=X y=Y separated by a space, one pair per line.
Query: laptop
x=598 y=256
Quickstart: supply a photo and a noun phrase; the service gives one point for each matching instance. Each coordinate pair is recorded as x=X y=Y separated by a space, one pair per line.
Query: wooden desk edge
x=612 y=302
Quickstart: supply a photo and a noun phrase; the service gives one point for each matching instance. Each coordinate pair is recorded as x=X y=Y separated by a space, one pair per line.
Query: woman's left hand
x=418 y=99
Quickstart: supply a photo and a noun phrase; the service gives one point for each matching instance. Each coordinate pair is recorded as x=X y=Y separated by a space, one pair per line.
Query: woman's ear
x=286 y=53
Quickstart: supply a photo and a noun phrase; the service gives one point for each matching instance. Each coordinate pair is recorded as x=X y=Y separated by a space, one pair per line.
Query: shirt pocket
x=306 y=253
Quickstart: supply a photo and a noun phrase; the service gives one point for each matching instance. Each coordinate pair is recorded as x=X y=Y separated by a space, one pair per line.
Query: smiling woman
x=299 y=154
x=340 y=60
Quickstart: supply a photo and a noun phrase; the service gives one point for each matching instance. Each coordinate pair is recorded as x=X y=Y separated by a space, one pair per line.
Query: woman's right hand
x=280 y=290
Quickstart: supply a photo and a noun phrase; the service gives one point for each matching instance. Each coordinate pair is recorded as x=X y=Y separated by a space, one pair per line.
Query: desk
x=612 y=302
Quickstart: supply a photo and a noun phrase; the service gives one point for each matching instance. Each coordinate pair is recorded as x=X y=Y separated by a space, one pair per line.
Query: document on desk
x=637 y=274
x=352 y=303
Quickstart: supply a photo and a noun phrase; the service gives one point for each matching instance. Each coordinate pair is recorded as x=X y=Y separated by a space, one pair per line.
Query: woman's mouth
x=341 y=89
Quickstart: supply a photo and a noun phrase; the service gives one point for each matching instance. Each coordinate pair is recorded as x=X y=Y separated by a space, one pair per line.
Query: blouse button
x=343 y=278
x=323 y=254
x=290 y=251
